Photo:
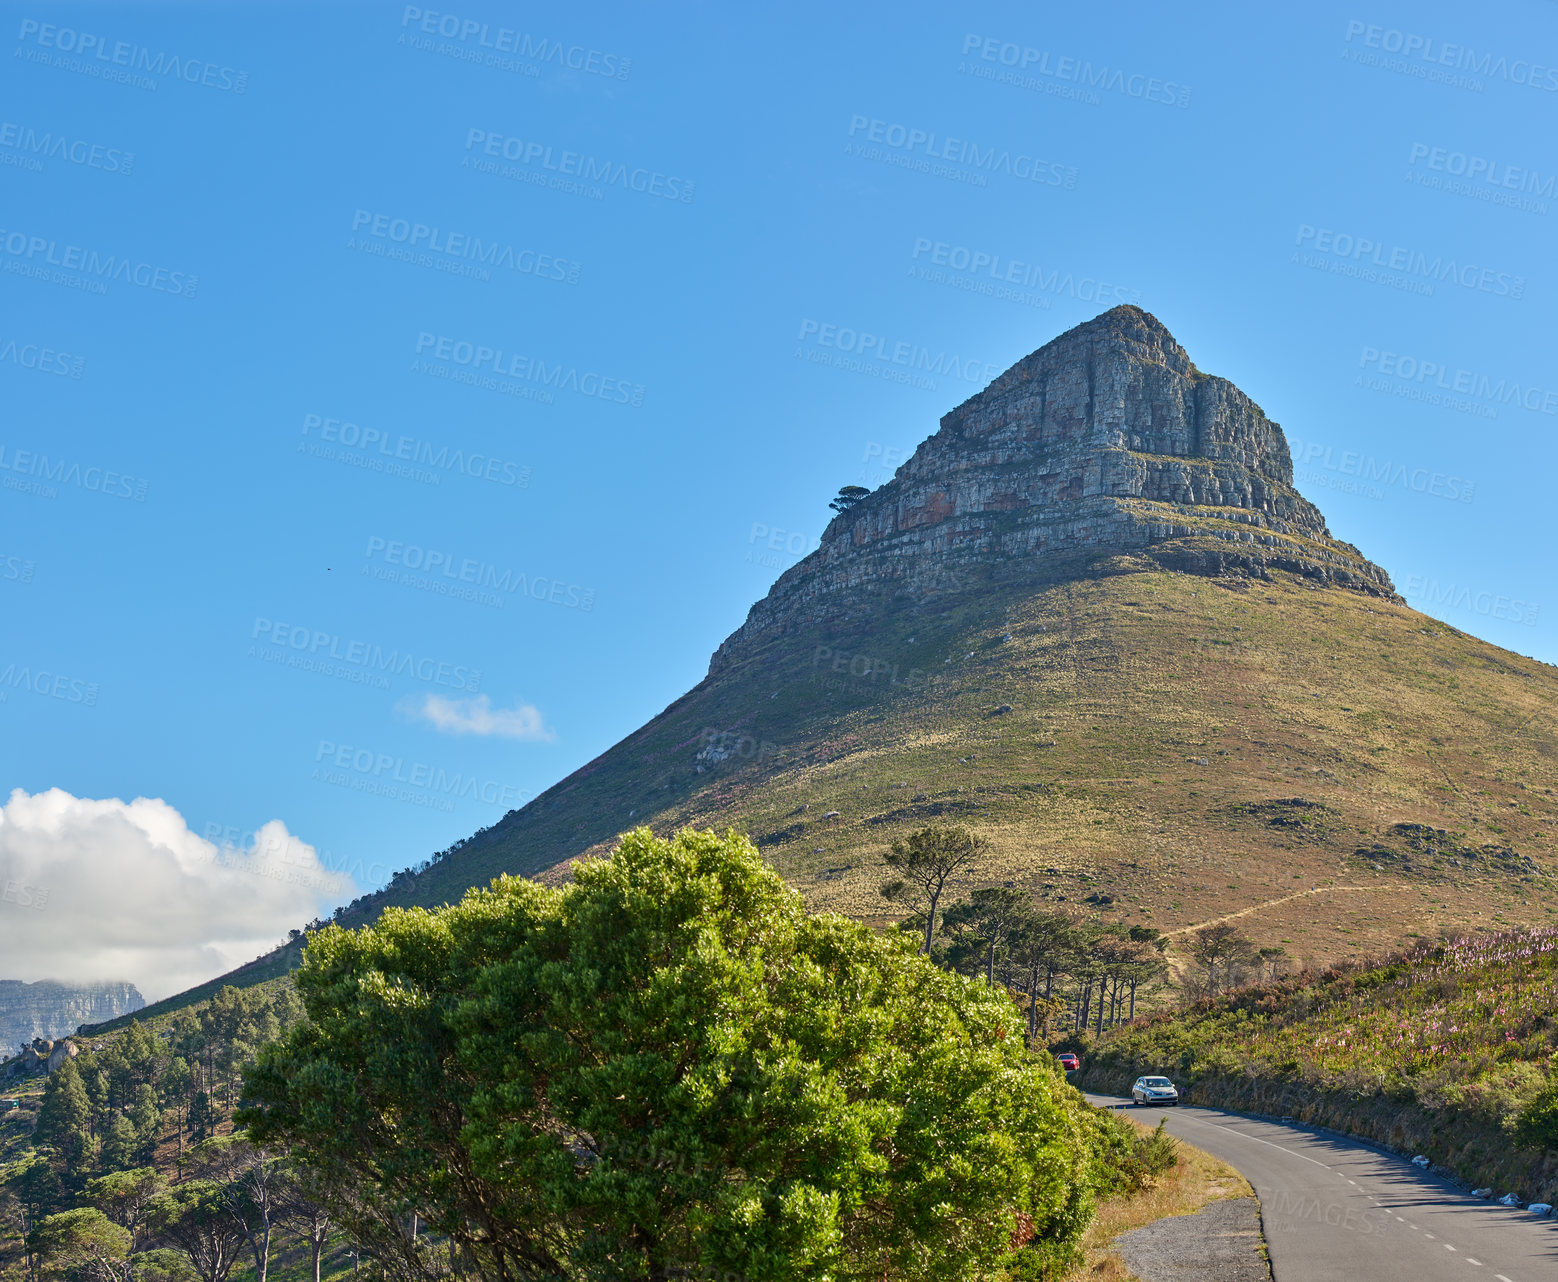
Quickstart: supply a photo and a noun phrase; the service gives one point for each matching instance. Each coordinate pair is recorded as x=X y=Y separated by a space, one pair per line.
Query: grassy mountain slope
x=1177 y=748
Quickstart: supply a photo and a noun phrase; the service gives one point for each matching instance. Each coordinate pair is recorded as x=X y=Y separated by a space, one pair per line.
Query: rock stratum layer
x=48 y=1009
x=1107 y=442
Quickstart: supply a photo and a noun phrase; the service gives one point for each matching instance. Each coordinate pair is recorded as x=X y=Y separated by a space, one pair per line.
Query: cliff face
x=1107 y=442
x=49 y=1010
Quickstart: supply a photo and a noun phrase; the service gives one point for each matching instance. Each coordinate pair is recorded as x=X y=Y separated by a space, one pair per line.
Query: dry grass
x=1197 y=1179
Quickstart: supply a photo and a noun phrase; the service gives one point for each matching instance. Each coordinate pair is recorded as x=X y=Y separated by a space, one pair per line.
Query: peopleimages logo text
x=1460 y=382
x=34 y=254
x=864 y=345
x=557 y=378
x=1439 y=53
x=1370 y=470
x=987 y=160
x=459 y=245
x=83 y=44
x=386 y=770
x=1494 y=605
x=443 y=570
x=60 y=471
x=578 y=164
x=451 y=26
x=1023 y=58
x=409 y=449
x=320 y=645
x=76 y=151
x=43 y=359
x=1410 y=262
x=1484 y=169
x=1014 y=271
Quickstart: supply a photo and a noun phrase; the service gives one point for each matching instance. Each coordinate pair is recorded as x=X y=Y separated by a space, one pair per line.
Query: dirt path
x=1270 y=903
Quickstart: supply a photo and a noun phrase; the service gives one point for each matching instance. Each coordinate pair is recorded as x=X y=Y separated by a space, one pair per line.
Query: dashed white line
x=1501 y=1277
x=1469 y=1260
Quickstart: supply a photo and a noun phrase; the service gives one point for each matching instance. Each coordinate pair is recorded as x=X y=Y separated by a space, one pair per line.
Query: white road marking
x=1469 y=1260
x=1501 y=1277
x=1228 y=1130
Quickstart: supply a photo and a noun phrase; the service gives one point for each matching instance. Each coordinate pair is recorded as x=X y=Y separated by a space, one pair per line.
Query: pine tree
x=65 y=1118
x=147 y=1119
x=203 y=1117
x=118 y=1152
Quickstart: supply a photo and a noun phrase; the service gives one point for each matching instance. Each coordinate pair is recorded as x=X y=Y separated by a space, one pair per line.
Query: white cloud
x=96 y=890
x=478 y=716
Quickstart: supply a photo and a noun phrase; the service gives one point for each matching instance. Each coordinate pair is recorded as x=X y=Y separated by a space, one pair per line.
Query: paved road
x=1338 y=1211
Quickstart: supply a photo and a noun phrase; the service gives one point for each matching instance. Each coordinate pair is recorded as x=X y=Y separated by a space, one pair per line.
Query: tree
x=203 y=1117
x=1047 y=943
x=667 y=1065
x=1123 y=960
x=162 y=1265
x=1221 y=945
x=84 y=1243
x=992 y=916
x=125 y=1197
x=1271 y=957
x=848 y=496
x=254 y=1186
x=195 y=1217
x=925 y=862
x=175 y=1085
x=146 y=1117
x=119 y=1151
x=310 y=1197
x=65 y=1118
x=36 y=1187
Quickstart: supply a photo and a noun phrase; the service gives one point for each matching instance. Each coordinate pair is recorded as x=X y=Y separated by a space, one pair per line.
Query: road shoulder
x=1169 y=1231
x=1220 y=1243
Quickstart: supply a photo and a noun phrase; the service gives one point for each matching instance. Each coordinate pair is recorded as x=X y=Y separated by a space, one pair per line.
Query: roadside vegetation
x=1448 y=1049
x=1182 y=1180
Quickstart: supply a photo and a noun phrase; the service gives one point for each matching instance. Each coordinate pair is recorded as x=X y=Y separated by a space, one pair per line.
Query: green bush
x=1126 y=1161
x=1536 y=1125
x=667 y=1065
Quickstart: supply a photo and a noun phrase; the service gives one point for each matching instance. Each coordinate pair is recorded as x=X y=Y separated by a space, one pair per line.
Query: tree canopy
x=924 y=862
x=665 y=1068
x=848 y=496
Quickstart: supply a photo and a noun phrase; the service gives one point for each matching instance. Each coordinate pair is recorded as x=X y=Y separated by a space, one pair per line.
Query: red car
x=1069 y=1062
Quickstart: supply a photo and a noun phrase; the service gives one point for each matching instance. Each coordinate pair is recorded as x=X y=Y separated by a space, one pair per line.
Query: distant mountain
x=49 y=1009
x=1093 y=620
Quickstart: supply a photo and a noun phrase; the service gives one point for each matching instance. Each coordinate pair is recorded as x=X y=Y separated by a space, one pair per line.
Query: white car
x=1154 y=1090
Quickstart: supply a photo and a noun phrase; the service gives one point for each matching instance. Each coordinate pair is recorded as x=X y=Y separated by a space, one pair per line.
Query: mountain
x=49 y=1009
x=1093 y=620
x=1106 y=442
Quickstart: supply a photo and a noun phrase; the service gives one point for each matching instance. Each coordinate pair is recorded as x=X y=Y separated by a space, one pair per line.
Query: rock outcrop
x=1104 y=449
x=49 y=1010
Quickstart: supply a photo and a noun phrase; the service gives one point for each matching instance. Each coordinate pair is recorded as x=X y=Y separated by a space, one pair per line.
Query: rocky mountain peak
x=1105 y=450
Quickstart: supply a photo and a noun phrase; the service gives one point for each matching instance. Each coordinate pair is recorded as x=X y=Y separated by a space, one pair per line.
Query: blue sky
x=283 y=385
